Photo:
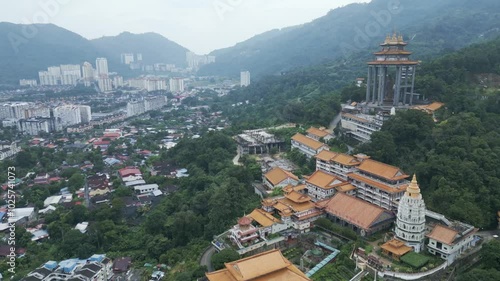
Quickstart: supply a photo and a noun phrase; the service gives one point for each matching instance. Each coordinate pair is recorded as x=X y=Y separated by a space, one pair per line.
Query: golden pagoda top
x=413 y=189
x=395 y=39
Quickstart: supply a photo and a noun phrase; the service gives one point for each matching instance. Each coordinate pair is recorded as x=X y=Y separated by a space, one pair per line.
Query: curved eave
x=394 y=44
x=393 y=53
x=393 y=63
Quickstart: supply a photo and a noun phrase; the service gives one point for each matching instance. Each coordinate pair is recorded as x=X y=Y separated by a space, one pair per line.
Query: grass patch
x=415 y=260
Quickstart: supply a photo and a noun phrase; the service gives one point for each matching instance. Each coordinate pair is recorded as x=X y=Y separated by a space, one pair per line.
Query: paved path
x=206 y=259
x=236 y=159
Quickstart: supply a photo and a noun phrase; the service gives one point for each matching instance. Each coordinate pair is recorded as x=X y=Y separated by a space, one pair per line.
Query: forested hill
x=352 y=32
x=27 y=49
x=457 y=161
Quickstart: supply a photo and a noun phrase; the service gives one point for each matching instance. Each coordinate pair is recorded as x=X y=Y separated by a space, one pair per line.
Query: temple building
x=307 y=145
x=278 y=177
x=378 y=183
x=321 y=185
x=270 y=265
x=362 y=217
x=410 y=223
x=450 y=241
x=338 y=164
x=295 y=209
x=243 y=232
x=319 y=134
x=384 y=87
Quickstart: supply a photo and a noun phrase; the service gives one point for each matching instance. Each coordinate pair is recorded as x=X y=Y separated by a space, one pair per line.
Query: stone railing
x=413 y=276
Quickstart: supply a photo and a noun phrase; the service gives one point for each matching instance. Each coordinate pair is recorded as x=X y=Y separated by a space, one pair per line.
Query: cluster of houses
x=95 y=268
x=354 y=191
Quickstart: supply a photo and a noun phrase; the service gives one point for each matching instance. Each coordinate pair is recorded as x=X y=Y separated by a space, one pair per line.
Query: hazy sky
x=199 y=25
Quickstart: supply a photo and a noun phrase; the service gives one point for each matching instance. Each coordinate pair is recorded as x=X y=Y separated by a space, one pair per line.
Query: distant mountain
x=27 y=49
x=154 y=48
x=352 y=32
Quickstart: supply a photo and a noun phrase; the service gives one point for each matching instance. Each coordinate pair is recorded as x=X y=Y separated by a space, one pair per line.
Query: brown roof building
x=362 y=217
x=379 y=183
x=308 y=146
x=278 y=177
x=266 y=266
x=318 y=134
x=449 y=242
x=321 y=185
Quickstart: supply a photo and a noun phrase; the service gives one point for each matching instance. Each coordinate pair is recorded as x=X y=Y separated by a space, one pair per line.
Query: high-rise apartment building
x=101 y=65
x=245 y=78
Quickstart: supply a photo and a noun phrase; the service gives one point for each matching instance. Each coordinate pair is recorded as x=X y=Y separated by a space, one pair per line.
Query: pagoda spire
x=413 y=189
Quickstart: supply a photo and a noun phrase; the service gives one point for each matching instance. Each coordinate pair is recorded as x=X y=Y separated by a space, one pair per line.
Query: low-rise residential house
x=278 y=177
x=449 y=242
x=130 y=174
x=319 y=134
x=362 y=217
x=145 y=189
x=122 y=265
x=308 y=146
x=42 y=179
x=95 y=268
x=321 y=185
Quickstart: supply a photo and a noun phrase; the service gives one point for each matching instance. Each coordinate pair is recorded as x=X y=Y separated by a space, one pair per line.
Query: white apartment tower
x=105 y=84
x=88 y=71
x=85 y=113
x=245 y=78
x=101 y=65
x=410 y=224
x=176 y=85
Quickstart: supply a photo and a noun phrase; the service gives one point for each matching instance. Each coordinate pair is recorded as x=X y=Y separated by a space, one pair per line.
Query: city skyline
x=200 y=26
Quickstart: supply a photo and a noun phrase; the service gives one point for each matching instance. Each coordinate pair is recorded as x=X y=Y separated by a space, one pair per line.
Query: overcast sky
x=199 y=25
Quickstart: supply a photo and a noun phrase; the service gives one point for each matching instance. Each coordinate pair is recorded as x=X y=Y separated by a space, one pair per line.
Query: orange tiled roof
x=377 y=184
x=443 y=234
x=298 y=197
x=317 y=132
x=263 y=218
x=346 y=188
x=325 y=180
x=314 y=144
x=382 y=170
x=388 y=62
x=352 y=116
x=269 y=266
x=353 y=210
x=396 y=247
x=430 y=107
x=277 y=175
x=299 y=187
x=345 y=159
x=285 y=203
x=326 y=155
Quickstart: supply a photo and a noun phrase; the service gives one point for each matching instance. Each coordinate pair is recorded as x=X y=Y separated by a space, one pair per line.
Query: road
x=206 y=259
x=334 y=123
x=236 y=159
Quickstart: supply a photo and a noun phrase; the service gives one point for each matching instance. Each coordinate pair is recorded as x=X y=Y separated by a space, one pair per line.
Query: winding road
x=206 y=258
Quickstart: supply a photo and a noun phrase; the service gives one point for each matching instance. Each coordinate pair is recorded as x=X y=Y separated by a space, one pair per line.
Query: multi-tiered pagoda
x=384 y=87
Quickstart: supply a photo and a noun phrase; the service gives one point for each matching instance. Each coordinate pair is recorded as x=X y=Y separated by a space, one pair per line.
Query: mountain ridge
x=27 y=49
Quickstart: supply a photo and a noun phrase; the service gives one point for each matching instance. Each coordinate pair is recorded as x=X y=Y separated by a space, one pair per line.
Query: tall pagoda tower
x=410 y=223
x=381 y=87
